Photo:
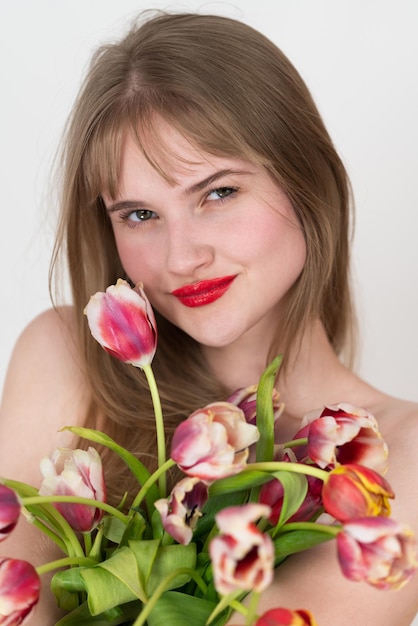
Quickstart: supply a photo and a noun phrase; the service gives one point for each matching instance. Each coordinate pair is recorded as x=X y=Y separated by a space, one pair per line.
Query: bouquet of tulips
x=225 y=526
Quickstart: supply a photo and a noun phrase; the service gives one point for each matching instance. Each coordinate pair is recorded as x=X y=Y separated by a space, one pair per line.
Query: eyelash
x=124 y=216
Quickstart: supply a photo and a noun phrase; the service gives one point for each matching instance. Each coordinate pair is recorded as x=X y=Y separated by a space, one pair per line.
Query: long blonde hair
x=231 y=91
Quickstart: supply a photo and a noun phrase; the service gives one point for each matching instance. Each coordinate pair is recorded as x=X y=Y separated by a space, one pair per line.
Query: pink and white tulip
x=20 y=587
x=182 y=510
x=342 y=433
x=213 y=442
x=379 y=551
x=9 y=511
x=75 y=473
x=246 y=399
x=122 y=321
x=242 y=556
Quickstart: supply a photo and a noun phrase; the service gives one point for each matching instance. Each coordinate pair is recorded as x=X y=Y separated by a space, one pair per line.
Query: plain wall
x=359 y=57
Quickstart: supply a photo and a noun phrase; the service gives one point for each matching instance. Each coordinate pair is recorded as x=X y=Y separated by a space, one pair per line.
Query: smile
x=204 y=291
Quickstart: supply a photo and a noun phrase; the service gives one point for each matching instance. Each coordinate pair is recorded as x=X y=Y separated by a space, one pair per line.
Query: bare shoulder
x=398 y=424
x=44 y=390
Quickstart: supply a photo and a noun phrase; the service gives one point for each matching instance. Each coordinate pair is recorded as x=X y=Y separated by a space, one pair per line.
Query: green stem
x=254 y=599
x=298 y=468
x=67 y=561
x=151 y=480
x=325 y=528
x=159 y=426
x=293 y=443
x=33 y=500
x=47 y=531
x=163 y=586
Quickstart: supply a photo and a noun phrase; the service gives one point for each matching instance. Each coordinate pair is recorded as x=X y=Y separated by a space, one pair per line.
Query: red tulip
x=353 y=491
x=123 y=322
x=19 y=591
x=242 y=556
x=272 y=494
x=182 y=510
x=213 y=442
x=379 y=551
x=9 y=511
x=286 y=617
x=75 y=473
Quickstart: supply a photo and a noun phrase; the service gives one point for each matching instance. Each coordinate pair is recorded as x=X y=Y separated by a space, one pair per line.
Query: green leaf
x=113 y=528
x=297 y=541
x=178 y=609
x=81 y=616
x=265 y=413
x=295 y=489
x=213 y=506
x=166 y=560
x=113 y=582
x=243 y=480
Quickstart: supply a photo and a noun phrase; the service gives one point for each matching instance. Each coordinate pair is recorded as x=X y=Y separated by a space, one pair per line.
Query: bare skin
x=45 y=390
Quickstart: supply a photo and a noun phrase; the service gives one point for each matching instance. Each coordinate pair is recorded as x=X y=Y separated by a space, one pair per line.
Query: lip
x=204 y=291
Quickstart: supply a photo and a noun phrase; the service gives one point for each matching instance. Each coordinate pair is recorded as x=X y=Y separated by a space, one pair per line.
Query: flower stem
x=159 y=426
x=151 y=480
x=33 y=500
x=298 y=468
x=65 y=562
x=295 y=442
x=326 y=528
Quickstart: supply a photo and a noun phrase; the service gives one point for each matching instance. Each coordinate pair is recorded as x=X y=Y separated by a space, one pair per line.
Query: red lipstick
x=204 y=291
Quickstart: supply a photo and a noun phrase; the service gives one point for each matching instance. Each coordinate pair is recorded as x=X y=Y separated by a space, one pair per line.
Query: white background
x=360 y=59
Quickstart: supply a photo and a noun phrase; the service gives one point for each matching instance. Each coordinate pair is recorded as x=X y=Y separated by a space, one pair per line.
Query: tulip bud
x=286 y=617
x=213 y=442
x=353 y=491
x=182 y=510
x=19 y=591
x=122 y=321
x=242 y=556
x=9 y=511
x=379 y=551
x=246 y=399
x=75 y=473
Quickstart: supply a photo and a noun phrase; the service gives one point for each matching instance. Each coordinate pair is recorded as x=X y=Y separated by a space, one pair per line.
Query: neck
x=313 y=375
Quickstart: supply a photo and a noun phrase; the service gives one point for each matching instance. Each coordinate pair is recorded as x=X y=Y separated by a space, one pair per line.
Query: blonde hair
x=230 y=91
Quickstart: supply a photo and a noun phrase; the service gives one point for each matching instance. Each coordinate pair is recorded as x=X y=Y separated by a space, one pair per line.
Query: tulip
x=182 y=510
x=379 y=551
x=342 y=433
x=75 y=473
x=213 y=442
x=19 y=591
x=272 y=494
x=246 y=399
x=242 y=556
x=286 y=617
x=9 y=511
x=122 y=321
x=354 y=491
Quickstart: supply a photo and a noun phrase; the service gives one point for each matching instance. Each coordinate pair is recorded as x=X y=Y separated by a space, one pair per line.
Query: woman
x=196 y=162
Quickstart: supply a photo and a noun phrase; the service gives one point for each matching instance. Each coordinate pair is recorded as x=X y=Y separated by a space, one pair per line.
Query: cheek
x=135 y=259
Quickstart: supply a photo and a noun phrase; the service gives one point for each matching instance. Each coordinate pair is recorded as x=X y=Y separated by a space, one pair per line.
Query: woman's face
x=216 y=250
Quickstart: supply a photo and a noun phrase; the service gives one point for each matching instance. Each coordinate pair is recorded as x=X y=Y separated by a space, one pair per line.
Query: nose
x=188 y=247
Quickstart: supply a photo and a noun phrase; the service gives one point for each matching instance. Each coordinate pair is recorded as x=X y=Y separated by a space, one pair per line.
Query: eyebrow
x=195 y=188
